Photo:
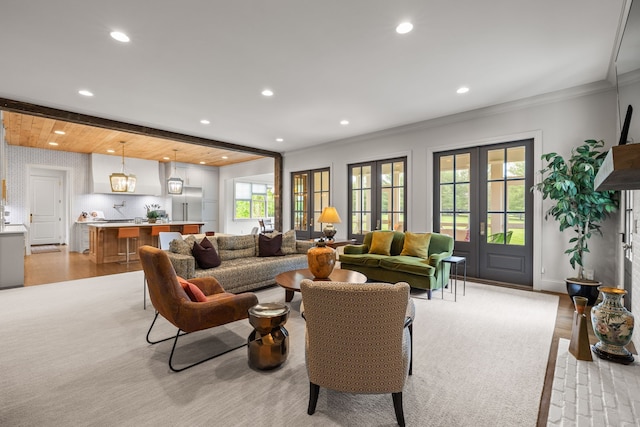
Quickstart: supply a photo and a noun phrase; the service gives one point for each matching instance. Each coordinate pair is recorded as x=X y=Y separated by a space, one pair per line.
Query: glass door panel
x=454 y=189
x=310 y=194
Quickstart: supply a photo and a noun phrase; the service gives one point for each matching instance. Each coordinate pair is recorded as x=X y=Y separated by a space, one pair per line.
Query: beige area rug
x=41 y=249
x=74 y=353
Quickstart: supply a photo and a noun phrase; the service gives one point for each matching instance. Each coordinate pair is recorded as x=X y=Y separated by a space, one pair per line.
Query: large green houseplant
x=577 y=205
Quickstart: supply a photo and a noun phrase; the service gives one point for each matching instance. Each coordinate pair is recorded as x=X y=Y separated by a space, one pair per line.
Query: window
x=253 y=201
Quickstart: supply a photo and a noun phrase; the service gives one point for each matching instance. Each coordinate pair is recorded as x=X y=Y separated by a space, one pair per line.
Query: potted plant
x=152 y=212
x=577 y=205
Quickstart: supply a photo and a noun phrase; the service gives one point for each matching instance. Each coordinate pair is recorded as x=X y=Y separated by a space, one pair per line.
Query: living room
x=556 y=121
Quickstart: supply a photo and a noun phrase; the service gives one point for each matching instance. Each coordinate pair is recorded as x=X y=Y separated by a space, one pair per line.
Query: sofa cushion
x=193 y=292
x=289 y=242
x=232 y=247
x=381 y=242
x=183 y=247
x=408 y=264
x=269 y=245
x=371 y=260
x=205 y=254
x=416 y=244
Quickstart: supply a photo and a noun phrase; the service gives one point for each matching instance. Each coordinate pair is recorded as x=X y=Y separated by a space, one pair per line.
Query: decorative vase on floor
x=583 y=288
x=613 y=325
x=321 y=259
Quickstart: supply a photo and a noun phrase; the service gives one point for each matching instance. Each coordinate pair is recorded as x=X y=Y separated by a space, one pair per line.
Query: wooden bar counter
x=104 y=245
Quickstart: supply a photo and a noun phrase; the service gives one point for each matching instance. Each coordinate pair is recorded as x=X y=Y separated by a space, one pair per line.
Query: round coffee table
x=290 y=280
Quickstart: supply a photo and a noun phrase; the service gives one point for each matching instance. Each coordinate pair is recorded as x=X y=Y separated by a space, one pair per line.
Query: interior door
x=46 y=205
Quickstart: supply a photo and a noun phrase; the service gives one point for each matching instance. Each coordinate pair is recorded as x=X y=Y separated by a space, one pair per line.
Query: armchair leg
x=397 y=405
x=411 y=353
x=314 y=390
x=175 y=341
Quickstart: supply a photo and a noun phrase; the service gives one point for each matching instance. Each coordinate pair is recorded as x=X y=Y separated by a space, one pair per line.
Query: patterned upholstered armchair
x=358 y=338
x=213 y=306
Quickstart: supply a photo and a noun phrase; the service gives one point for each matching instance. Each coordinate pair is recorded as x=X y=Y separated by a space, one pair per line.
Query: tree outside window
x=253 y=201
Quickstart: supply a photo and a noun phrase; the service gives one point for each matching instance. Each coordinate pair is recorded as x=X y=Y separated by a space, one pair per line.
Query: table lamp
x=329 y=216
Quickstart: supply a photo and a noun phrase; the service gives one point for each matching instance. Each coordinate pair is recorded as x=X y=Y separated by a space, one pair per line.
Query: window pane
x=495 y=196
x=242 y=209
x=385 y=201
x=446 y=198
x=398 y=199
x=463 y=166
x=356 y=200
x=366 y=177
x=462 y=197
x=446 y=224
x=366 y=200
x=516 y=193
x=462 y=227
x=516 y=162
x=495 y=164
x=259 y=188
x=356 y=178
x=446 y=169
x=515 y=229
x=385 y=175
x=243 y=190
x=495 y=228
x=398 y=174
x=325 y=180
x=258 y=206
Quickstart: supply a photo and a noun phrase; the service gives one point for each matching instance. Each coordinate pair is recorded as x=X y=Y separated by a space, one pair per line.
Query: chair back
x=355 y=335
x=165 y=238
x=165 y=292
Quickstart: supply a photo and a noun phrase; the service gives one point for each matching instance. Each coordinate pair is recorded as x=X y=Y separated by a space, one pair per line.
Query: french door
x=310 y=194
x=377 y=196
x=482 y=200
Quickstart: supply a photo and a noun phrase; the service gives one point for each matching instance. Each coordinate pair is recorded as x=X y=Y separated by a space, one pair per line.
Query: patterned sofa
x=241 y=269
x=421 y=267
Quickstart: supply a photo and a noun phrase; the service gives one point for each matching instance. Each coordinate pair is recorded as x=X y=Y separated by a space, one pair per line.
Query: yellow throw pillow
x=381 y=242
x=416 y=244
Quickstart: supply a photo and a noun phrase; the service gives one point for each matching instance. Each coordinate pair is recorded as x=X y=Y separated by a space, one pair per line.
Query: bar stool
x=155 y=232
x=128 y=233
x=191 y=229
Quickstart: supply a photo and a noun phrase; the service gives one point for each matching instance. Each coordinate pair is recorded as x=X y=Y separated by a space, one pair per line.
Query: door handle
x=30 y=218
x=483 y=227
x=627 y=246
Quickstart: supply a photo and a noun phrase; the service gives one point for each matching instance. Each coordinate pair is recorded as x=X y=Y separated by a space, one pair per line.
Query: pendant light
x=122 y=182
x=174 y=184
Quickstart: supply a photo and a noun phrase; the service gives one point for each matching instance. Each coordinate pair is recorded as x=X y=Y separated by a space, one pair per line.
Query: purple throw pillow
x=270 y=246
x=205 y=254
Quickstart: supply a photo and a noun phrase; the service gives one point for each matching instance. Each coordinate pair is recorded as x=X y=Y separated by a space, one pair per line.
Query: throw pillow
x=289 y=242
x=193 y=292
x=381 y=242
x=270 y=246
x=205 y=254
x=416 y=244
x=179 y=246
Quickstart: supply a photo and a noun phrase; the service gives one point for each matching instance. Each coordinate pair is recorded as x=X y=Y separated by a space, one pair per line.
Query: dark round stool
x=269 y=342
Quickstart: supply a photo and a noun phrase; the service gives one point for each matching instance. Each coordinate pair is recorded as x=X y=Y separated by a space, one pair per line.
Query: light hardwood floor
x=64 y=265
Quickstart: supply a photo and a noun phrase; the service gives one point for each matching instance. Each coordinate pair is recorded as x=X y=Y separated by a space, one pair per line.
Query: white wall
x=557 y=122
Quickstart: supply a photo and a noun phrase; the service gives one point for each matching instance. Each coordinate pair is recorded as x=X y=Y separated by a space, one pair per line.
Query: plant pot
x=152 y=220
x=613 y=325
x=583 y=288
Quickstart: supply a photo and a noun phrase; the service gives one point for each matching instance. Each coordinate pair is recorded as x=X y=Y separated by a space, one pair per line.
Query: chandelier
x=121 y=182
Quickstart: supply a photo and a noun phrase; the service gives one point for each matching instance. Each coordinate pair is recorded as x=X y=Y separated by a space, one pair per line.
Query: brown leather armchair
x=358 y=338
x=172 y=302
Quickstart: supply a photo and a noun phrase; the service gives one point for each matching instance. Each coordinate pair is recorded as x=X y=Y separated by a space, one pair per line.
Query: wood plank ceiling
x=38 y=132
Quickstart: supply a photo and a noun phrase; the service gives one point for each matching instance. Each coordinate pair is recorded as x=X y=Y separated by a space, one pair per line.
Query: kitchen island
x=12 y=247
x=104 y=245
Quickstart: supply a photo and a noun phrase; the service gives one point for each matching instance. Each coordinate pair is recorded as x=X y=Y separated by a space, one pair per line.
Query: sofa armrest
x=184 y=265
x=356 y=249
x=302 y=246
x=434 y=259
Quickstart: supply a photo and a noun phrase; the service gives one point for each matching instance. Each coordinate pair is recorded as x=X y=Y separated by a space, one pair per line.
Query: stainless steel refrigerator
x=188 y=205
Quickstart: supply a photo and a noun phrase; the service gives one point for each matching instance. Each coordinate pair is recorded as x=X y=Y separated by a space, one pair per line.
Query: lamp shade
x=121 y=182
x=329 y=215
x=174 y=183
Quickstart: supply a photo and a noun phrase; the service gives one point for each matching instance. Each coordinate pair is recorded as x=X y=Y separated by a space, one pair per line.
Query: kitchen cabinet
x=12 y=247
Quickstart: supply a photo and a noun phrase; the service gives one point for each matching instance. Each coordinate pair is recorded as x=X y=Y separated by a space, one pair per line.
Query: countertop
x=102 y=224
x=13 y=229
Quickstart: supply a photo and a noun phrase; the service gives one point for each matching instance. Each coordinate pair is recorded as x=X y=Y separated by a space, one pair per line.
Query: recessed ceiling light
x=205 y=121
x=225 y=157
x=203 y=163
x=279 y=139
x=111 y=151
x=404 y=28
x=85 y=92
x=53 y=143
x=120 y=36
x=166 y=158
x=59 y=132
x=267 y=92
x=344 y=122
x=463 y=89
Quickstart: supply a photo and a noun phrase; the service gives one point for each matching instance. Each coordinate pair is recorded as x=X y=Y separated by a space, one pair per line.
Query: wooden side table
x=456 y=261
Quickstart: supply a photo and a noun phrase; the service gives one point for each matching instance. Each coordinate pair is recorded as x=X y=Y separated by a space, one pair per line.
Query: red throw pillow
x=270 y=246
x=193 y=292
x=205 y=254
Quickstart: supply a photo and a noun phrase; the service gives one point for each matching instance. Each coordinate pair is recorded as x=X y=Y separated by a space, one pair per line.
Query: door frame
x=65 y=193
x=539 y=283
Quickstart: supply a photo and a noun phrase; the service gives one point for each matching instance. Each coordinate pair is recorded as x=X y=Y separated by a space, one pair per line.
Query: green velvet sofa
x=423 y=273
